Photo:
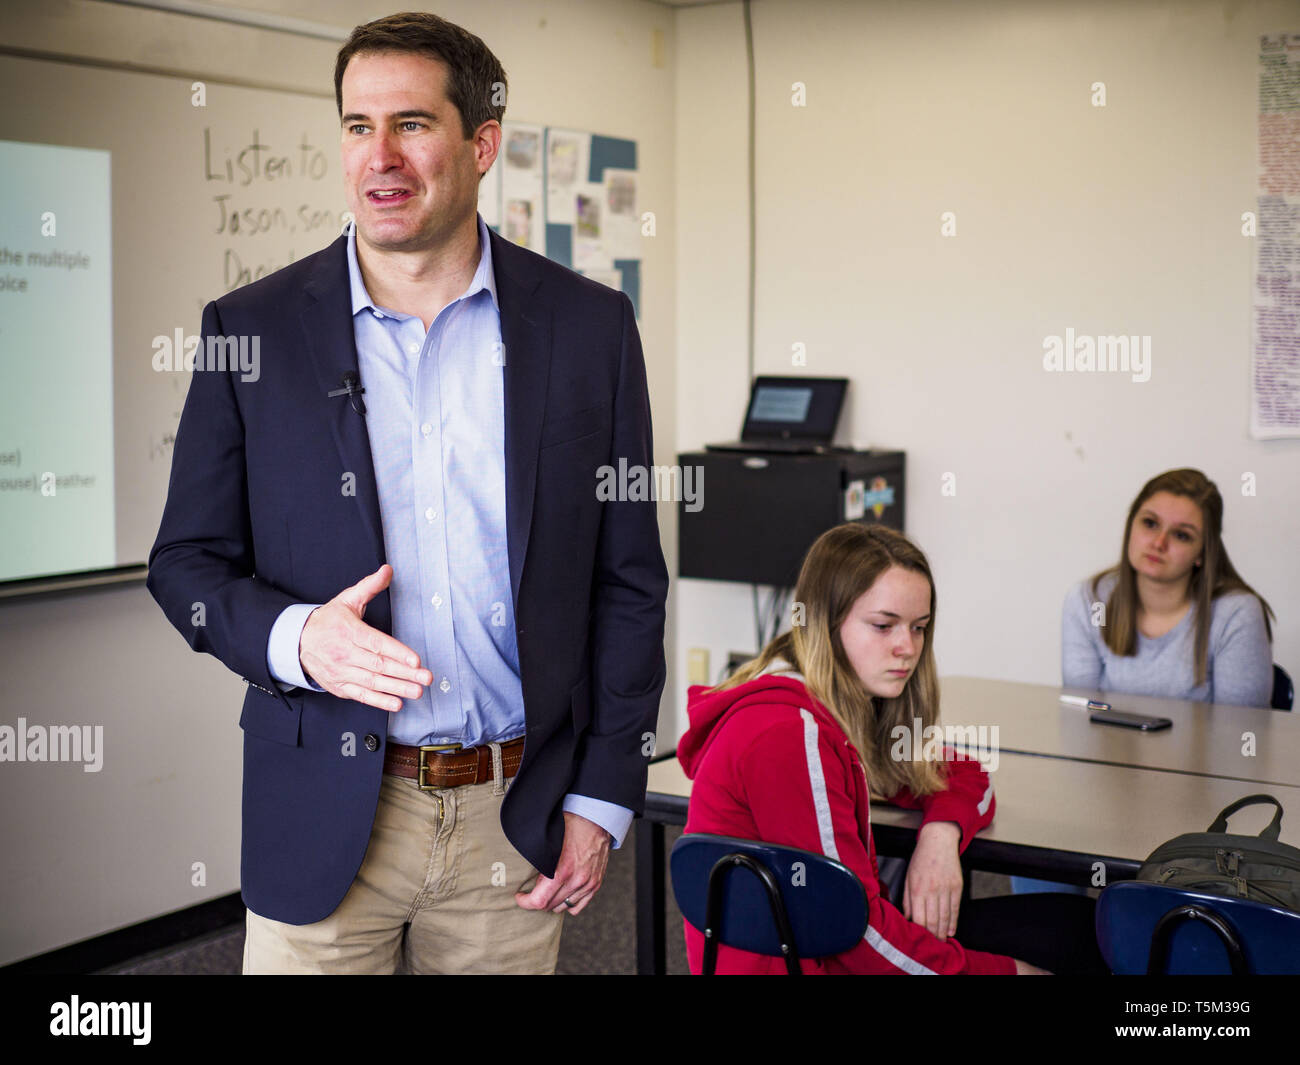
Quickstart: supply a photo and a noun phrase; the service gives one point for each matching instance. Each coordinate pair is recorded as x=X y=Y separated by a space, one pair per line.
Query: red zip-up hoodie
x=770 y=763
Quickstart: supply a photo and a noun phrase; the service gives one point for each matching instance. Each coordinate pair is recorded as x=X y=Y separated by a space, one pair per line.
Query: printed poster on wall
x=1275 y=363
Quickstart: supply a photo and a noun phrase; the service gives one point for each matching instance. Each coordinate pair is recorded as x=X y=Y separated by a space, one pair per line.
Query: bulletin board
x=571 y=196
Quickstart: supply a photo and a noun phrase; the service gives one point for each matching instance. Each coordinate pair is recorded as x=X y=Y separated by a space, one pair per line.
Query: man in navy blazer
x=273 y=502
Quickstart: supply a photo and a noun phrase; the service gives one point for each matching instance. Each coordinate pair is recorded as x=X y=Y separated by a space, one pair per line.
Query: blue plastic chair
x=1157 y=929
x=778 y=901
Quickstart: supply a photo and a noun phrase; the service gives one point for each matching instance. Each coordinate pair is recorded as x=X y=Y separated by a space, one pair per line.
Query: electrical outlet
x=657 y=49
x=697 y=665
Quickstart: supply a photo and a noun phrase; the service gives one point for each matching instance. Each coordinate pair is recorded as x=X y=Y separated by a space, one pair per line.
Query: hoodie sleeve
x=968 y=799
x=800 y=793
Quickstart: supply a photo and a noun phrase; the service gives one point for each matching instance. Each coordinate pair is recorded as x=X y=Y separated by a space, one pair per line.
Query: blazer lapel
x=526 y=336
x=327 y=327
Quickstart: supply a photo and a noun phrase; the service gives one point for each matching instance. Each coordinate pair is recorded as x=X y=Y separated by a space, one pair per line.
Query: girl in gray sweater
x=1173 y=618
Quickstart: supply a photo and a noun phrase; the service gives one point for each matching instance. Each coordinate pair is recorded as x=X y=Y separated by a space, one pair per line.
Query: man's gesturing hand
x=348 y=658
x=579 y=874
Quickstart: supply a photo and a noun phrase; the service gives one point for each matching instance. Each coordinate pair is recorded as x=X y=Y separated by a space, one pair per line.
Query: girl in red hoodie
x=784 y=749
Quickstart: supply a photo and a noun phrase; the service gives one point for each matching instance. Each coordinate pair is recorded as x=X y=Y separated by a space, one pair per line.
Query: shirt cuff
x=282 y=648
x=612 y=818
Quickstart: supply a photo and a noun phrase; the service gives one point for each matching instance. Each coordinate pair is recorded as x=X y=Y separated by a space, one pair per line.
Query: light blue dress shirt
x=435 y=405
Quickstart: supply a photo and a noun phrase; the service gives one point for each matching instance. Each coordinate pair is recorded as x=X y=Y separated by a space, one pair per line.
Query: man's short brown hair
x=476 y=81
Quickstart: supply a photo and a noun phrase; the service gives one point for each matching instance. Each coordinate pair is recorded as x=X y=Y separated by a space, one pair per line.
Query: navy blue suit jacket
x=272 y=501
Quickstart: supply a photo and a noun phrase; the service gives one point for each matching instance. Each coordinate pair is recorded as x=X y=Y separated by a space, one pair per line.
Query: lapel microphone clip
x=352 y=389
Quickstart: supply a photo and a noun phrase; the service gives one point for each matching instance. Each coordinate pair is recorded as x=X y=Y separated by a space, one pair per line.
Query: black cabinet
x=755 y=515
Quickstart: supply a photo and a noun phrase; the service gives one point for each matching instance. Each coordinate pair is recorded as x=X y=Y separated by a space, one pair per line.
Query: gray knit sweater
x=1239 y=660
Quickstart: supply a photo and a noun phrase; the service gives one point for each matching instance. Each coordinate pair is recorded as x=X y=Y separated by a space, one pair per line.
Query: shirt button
x=413 y=348
x=445 y=686
x=430 y=513
x=436 y=600
x=426 y=428
x=372 y=742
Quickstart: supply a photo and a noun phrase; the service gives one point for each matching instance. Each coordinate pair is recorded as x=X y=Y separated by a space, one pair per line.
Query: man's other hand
x=579 y=874
x=348 y=658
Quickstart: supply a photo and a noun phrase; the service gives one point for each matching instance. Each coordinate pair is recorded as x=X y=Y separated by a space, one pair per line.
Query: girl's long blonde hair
x=843 y=563
x=1215 y=576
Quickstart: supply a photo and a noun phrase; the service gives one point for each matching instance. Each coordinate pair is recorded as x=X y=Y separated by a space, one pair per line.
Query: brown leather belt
x=449 y=765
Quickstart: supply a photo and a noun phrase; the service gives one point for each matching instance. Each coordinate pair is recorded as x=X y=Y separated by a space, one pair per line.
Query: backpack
x=1215 y=862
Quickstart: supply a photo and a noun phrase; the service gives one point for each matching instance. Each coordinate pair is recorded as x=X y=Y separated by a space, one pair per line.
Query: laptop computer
x=792 y=415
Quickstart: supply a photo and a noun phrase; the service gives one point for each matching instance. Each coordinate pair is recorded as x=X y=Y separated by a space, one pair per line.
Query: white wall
x=1116 y=219
x=89 y=853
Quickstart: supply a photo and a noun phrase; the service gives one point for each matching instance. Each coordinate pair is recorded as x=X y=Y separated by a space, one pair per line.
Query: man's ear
x=491 y=131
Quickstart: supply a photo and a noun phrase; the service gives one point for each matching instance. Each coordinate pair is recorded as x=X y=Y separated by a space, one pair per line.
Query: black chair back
x=1283 y=689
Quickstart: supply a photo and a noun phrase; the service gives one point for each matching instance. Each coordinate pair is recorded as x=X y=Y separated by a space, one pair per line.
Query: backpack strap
x=1272 y=831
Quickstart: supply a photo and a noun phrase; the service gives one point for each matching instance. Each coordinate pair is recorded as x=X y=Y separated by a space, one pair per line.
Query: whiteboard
x=212 y=186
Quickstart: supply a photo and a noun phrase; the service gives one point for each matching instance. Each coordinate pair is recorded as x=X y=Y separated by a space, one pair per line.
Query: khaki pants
x=435 y=894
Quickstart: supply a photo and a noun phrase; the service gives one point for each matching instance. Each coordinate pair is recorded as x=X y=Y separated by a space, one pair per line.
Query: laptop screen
x=773 y=404
x=804 y=408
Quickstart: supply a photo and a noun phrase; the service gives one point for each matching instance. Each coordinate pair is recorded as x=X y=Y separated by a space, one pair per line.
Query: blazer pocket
x=264 y=716
x=580 y=700
x=574 y=426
